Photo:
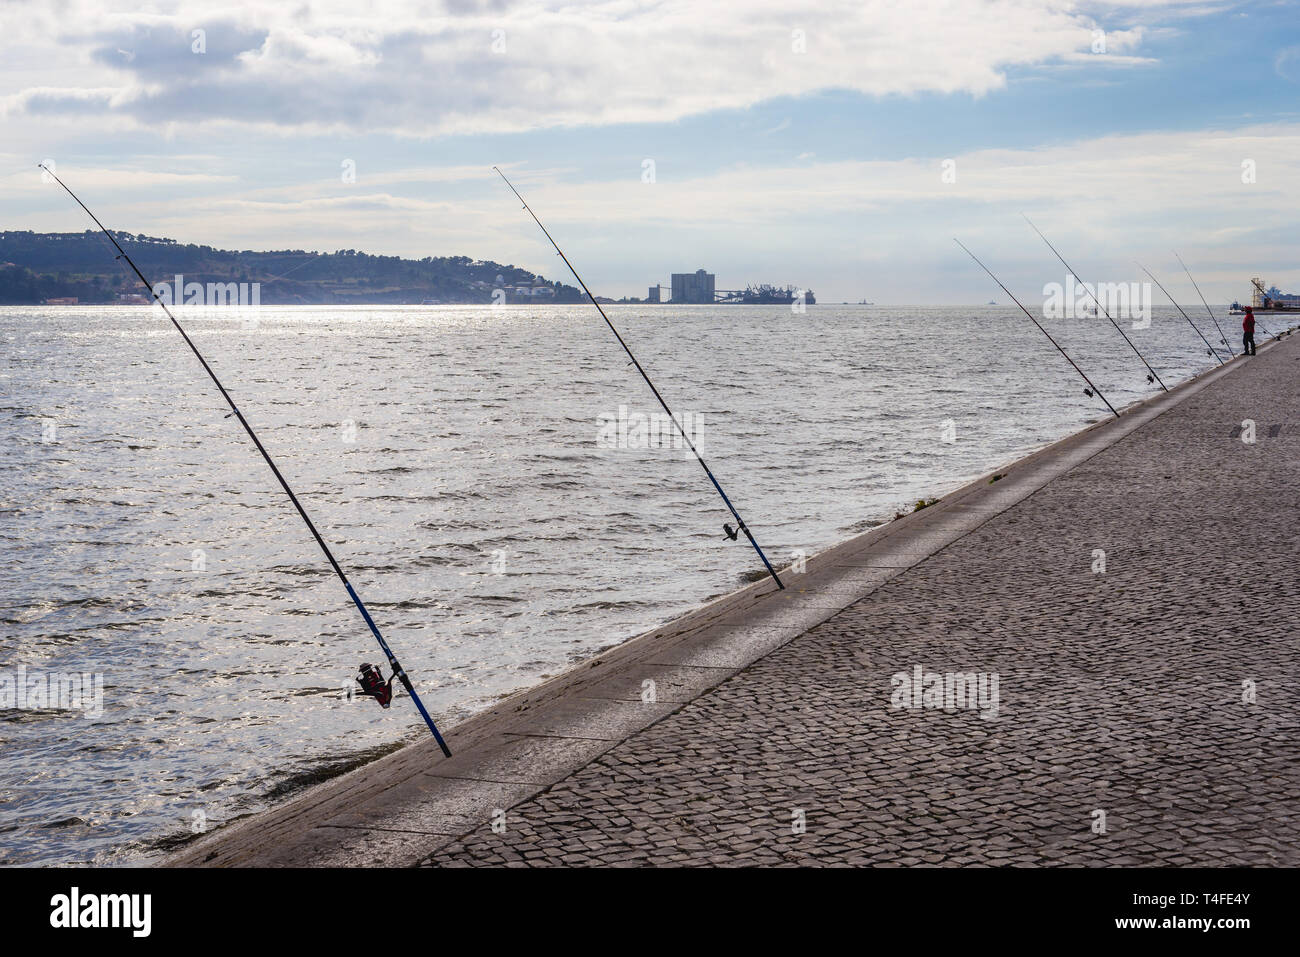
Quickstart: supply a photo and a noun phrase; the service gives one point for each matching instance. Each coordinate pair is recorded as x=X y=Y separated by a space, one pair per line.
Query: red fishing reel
x=373 y=684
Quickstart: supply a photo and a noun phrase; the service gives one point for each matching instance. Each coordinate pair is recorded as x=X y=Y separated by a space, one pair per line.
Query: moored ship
x=1267 y=300
x=767 y=295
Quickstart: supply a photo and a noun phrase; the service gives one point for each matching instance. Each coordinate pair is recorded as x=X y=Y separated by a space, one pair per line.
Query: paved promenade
x=1144 y=714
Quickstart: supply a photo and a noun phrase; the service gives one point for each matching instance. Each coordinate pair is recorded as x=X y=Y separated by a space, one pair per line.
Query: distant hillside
x=39 y=266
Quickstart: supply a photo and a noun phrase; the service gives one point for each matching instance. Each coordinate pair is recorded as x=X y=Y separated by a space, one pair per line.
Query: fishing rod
x=1152 y=377
x=371 y=681
x=1226 y=341
x=1185 y=315
x=1091 y=388
x=730 y=532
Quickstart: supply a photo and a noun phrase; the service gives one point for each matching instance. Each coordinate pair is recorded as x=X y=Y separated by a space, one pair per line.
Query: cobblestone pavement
x=1121 y=694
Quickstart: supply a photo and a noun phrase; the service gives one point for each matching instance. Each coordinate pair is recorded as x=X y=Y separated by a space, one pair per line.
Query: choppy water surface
x=453 y=457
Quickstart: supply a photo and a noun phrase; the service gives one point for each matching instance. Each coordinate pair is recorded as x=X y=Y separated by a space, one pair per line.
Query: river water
x=484 y=477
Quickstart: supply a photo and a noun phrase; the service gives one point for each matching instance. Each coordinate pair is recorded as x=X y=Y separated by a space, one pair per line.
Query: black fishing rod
x=370 y=680
x=731 y=533
x=1152 y=377
x=1091 y=388
x=1185 y=315
x=1226 y=341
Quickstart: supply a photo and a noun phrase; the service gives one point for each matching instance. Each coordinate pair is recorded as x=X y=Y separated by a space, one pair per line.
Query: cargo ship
x=766 y=295
x=1270 y=301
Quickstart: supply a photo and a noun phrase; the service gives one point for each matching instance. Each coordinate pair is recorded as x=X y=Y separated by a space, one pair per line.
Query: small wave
x=613 y=605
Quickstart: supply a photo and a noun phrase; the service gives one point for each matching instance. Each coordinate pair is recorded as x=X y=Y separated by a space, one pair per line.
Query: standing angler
x=1248 y=332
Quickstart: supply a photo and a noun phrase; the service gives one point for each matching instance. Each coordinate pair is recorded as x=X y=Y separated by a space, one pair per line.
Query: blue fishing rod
x=370 y=680
x=1226 y=341
x=731 y=533
x=1213 y=352
x=1152 y=375
x=1092 y=389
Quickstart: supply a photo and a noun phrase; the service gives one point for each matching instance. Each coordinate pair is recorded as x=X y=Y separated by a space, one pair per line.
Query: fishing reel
x=731 y=533
x=373 y=684
x=1151 y=380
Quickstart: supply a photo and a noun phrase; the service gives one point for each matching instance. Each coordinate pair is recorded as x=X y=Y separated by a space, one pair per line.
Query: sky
x=838 y=146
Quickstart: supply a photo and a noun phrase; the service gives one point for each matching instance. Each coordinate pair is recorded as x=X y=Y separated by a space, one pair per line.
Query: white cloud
x=845 y=228
x=1131 y=178
x=421 y=69
x=274 y=72
x=1287 y=63
x=26 y=178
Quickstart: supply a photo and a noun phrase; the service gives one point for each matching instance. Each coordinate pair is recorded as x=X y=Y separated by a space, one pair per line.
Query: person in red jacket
x=1248 y=332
